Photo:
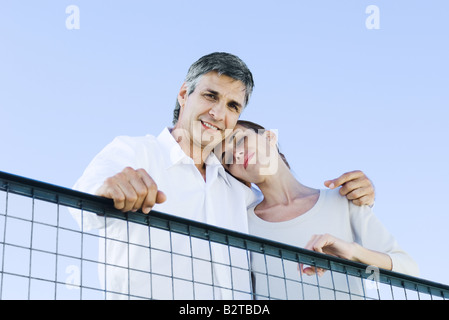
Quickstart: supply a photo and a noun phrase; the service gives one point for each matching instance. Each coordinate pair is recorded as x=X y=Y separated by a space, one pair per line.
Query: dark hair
x=224 y=64
x=260 y=130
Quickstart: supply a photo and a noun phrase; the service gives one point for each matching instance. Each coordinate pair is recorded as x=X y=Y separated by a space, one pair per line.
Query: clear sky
x=348 y=86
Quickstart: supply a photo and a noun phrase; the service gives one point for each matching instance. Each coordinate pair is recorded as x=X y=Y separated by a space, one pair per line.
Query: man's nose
x=218 y=111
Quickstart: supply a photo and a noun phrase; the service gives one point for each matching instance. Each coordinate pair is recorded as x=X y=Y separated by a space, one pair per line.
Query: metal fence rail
x=45 y=254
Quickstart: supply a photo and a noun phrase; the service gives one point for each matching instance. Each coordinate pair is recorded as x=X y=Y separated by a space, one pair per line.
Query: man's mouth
x=209 y=126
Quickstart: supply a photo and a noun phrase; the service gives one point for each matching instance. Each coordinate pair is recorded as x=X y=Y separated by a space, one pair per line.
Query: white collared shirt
x=219 y=200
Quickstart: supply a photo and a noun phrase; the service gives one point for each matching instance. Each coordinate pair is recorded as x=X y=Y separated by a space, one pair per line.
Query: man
x=177 y=173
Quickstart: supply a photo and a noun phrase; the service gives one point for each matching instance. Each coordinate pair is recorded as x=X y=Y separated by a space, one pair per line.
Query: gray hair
x=224 y=64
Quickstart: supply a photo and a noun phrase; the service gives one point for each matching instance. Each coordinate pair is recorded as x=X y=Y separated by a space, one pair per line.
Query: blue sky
x=342 y=96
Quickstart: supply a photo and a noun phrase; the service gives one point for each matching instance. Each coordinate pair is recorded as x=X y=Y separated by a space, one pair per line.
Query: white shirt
x=332 y=214
x=219 y=200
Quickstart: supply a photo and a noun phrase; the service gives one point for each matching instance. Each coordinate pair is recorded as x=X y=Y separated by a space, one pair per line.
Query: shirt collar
x=175 y=155
x=212 y=162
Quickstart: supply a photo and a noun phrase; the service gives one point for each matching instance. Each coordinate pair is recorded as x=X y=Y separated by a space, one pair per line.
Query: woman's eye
x=228 y=160
x=239 y=141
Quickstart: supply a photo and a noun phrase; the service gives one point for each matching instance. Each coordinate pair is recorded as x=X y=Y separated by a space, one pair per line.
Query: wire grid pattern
x=46 y=254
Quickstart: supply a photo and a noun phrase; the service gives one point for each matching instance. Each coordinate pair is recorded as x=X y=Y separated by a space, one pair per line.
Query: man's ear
x=182 y=95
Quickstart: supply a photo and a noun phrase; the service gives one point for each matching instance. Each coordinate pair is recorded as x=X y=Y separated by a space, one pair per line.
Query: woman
x=319 y=220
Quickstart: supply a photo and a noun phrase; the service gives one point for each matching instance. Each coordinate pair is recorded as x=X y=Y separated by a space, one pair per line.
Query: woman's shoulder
x=334 y=196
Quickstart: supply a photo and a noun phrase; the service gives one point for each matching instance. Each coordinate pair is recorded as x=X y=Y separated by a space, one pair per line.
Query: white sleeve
x=111 y=160
x=372 y=234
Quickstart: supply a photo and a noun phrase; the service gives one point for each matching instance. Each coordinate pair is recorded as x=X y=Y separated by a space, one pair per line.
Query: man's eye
x=210 y=96
x=234 y=107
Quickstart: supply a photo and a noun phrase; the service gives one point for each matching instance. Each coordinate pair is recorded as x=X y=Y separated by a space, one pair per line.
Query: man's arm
x=356 y=186
x=131 y=189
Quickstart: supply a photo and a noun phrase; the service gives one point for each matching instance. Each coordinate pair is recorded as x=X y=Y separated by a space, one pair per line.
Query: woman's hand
x=331 y=245
x=328 y=244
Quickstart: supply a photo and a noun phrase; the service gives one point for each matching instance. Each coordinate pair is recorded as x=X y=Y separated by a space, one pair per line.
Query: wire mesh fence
x=46 y=252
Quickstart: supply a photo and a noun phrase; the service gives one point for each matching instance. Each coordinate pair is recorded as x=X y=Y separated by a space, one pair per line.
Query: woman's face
x=248 y=155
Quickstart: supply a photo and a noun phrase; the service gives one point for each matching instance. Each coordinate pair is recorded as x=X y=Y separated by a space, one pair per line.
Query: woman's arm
x=331 y=245
x=369 y=232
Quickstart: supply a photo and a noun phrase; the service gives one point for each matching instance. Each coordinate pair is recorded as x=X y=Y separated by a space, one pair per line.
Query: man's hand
x=355 y=186
x=132 y=190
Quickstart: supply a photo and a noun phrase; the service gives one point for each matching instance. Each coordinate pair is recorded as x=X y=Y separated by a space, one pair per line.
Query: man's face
x=210 y=112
